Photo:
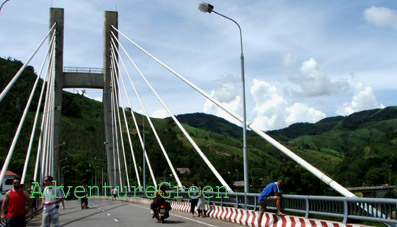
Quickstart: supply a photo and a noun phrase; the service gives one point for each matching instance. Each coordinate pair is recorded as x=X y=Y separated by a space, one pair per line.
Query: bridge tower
x=96 y=80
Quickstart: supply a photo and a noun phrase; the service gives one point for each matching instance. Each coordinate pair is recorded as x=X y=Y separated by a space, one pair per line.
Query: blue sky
x=304 y=60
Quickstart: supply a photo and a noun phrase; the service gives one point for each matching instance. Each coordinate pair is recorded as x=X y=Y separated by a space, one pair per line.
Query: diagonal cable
x=335 y=185
x=152 y=126
x=197 y=148
x=146 y=156
x=128 y=133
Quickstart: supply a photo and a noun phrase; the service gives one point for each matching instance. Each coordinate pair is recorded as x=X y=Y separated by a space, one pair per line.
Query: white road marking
x=108 y=214
x=116 y=220
x=190 y=219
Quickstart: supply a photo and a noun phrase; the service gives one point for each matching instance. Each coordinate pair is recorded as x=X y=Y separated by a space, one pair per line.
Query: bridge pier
x=86 y=80
x=110 y=18
x=57 y=16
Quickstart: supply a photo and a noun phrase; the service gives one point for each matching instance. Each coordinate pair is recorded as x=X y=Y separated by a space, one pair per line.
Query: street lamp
x=60 y=145
x=54 y=172
x=59 y=169
x=208 y=8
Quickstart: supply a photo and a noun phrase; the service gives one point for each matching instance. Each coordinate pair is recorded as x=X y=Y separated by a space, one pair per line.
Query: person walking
x=271 y=193
x=193 y=198
x=114 y=193
x=201 y=203
x=63 y=193
x=84 y=198
x=52 y=196
x=15 y=198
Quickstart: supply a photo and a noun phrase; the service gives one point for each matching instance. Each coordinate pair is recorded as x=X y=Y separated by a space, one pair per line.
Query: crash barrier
x=347 y=209
x=243 y=217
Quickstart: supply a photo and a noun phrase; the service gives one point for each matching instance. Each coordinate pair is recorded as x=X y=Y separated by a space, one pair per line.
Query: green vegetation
x=355 y=150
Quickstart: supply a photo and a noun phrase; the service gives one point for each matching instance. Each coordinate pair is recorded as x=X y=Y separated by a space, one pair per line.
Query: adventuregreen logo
x=150 y=192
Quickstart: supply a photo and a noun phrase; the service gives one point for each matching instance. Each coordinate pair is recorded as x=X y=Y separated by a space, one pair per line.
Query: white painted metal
x=115 y=88
x=128 y=133
x=279 y=146
x=25 y=166
x=196 y=147
x=15 y=78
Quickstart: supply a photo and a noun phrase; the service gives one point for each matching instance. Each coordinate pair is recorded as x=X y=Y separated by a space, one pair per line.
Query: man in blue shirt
x=271 y=193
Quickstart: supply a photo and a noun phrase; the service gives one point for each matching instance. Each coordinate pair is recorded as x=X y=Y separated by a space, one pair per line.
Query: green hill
x=355 y=150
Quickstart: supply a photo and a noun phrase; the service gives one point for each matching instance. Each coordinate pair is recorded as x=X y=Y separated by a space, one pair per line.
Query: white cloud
x=227 y=94
x=289 y=60
x=299 y=112
x=382 y=17
x=274 y=112
x=313 y=82
x=363 y=99
x=161 y=113
x=99 y=98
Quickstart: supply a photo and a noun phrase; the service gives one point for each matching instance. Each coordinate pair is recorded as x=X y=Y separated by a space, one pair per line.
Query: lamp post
x=208 y=8
x=57 y=177
x=59 y=169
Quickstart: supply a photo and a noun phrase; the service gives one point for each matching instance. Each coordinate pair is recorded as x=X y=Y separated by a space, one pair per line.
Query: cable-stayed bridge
x=116 y=81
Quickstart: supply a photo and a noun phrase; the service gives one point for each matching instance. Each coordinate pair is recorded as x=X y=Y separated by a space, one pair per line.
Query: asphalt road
x=107 y=213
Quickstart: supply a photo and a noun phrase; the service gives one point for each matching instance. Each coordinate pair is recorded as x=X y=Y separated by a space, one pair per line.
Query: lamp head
x=205 y=7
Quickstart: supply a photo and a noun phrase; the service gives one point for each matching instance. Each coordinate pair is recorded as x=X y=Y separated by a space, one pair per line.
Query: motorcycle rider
x=161 y=194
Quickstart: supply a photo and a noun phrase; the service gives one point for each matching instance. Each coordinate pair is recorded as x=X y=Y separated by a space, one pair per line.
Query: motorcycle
x=160 y=209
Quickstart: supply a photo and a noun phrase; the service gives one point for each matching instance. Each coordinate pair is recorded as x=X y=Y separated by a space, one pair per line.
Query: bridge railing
x=362 y=209
x=83 y=70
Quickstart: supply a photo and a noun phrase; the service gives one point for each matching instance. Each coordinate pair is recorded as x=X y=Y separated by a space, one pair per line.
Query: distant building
x=183 y=171
x=7 y=183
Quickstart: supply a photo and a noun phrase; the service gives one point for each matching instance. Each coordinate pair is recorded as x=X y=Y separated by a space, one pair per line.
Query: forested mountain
x=359 y=149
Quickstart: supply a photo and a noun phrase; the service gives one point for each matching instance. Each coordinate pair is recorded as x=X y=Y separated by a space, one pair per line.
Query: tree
x=375 y=176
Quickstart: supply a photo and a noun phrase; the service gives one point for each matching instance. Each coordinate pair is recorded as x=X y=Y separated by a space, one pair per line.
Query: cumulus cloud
x=363 y=99
x=99 y=98
x=382 y=17
x=289 y=60
x=160 y=113
x=273 y=111
x=313 y=82
x=227 y=94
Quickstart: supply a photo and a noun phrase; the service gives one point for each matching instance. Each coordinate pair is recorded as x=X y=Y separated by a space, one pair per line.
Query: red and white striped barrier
x=248 y=217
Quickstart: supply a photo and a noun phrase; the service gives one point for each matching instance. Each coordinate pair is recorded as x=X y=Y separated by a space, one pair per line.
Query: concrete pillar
x=110 y=18
x=57 y=16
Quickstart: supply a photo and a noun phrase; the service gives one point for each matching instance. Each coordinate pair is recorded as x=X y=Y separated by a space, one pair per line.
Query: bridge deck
x=116 y=213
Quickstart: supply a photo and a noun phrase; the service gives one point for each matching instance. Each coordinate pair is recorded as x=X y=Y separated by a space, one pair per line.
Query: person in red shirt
x=15 y=198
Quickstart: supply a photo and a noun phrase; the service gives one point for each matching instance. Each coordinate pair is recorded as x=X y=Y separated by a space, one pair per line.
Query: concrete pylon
x=87 y=80
x=110 y=18
x=57 y=16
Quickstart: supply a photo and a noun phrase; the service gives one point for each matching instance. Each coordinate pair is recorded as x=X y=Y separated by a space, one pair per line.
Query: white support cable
x=140 y=137
x=279 y=146
x=38 y=153
x=52 y=129
x=48 y=128
x=151 y=125
x=51 y=145
x=115 y=105
x=15 y=78
x=115 y=84
x=47 y=131
x=43 y=133
x=28 y=152
x=17 y=133
x=46 y=118
x=42 y=137
x=196 y=147
x=113 y=141
x=129 y=137
x=39 y=149
x=130 y=143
